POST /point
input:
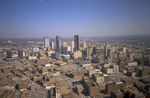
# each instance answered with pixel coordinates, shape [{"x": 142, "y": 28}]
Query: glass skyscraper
[
  {"x": 58, "y": 44},
  {"x": 76, "y": 42},
  {"x": 46, "y": 42}
]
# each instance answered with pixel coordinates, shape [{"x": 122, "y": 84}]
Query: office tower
[
  {"x": 76, "y": 42},
  {"x": 84, "y": 44},
  {"x": 58, "y": 44},
  {"x": 65, "y": 48},
  {"x": 89, "y": 51},
  {"x": 124, "y": 49},
  {"x": 105, "y": 51},
  {"x": 72, "y": 46},
  {"x": 20, "y": 54},
  {"x": 69, "y": 48},
  {"x": 9, "y": 54},
  {"x": 52, "y": 45},
  {"x": 113, "y": 49},
  {"x": 46, "y": 42},
  {"x": 109, "y": 52}
]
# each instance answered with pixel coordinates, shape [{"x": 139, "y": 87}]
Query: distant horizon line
[{"x": 107, "y": 36}]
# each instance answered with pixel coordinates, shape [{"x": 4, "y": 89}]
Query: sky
[{"x": 39, "y": 18}]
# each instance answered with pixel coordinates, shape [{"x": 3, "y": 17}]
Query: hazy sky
[{"x": 38, "y": 18}]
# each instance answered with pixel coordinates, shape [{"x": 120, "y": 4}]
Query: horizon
[{"x": 141, "y": 36}]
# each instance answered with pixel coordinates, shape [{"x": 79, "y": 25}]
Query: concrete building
[
  {"x": 116, "y": 68},
  {"x": 134, "y": 63},
  {"x": 52, "y": 45},
  {"x": 92, "y": 88},
  {"x": 58, "y": 44},
  {"x": 107, "y": 50},
  {"x": 91, "y": 72},
  {"x": 77, "y": 54},
  {"x": 124, "y": 49},
  {"x": 72, "y": 46},
  {"x": 65, "y": 48},
  {"x": 63, "y": 90},
  {"x": 98, "y": 78},
  {"x": 89, "y": 51},
  {"x": 113, "y": 87},
  {"x": 84, "y": 44}
]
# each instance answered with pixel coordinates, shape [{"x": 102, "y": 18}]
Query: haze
[{"x": 38, "y": 18}]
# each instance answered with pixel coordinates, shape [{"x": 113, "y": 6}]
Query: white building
[
  {"x": 132, "y": 63},
  {"x": 47, "y": 65},
  {"x": 116, "y": 68},
  {"x": 77, "y": 54}
]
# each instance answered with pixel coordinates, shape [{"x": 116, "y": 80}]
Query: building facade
[
  {"x": 76, "y": 42},
  {"x": 46, "y": 42}
]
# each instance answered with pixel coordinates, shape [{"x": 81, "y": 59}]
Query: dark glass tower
[
  {"x": 20, "y": 54},
  {"x": 76, "y": 42},
  {"x": 9, "y": 54},
  {"x": 58, "y": 44}
]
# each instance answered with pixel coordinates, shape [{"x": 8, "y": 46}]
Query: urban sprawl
[{"x": 76, "y": 68}]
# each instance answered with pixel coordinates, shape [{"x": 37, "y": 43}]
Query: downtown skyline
[{"x": 38, "y": 18}]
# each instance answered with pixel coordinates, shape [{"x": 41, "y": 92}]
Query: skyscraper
[
  {"x": 20, "y": 54},
  {"x": 124, "y": 49},
  {"x": 52, "y": 45},
  {"x": 9, "y": 54},
  {"x": 46, "y": 42},
  {"x": 89, "y": 51},
  {"x": 65, "y": 48},
  {"x": 84, "y": 44},
  {"x": 58, "y": 44},
  {"x": 76, "y": 42},
  {"x": 72, "y": 46},
  {"x": 107, "y": 50}
]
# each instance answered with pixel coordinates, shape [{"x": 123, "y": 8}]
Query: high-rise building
[
  {"x": 89, "y": 51},
  {"x": 20, "y": 54},
  {"x": 84, "y": 44},
  {"x": 52, "y": 45},
  {"x": 58, "y": 44},
  {"x": 69, "y": 48},
  {"x": 107, "y": 50},
  {"x": 124, "y": 49},
  {"x": 9, "y": 54},
  {"x": 65, "y": 48},
  {"x": 46, "y": 42},
  {"x": 76, "y": 42},
  {"x": 113, "y": 49},
  {"x": 72, "y": 46}
]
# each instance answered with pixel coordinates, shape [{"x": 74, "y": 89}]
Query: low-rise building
[
  {"x": 98, "y": 78},
  {"x": 113, "y": 87}
]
